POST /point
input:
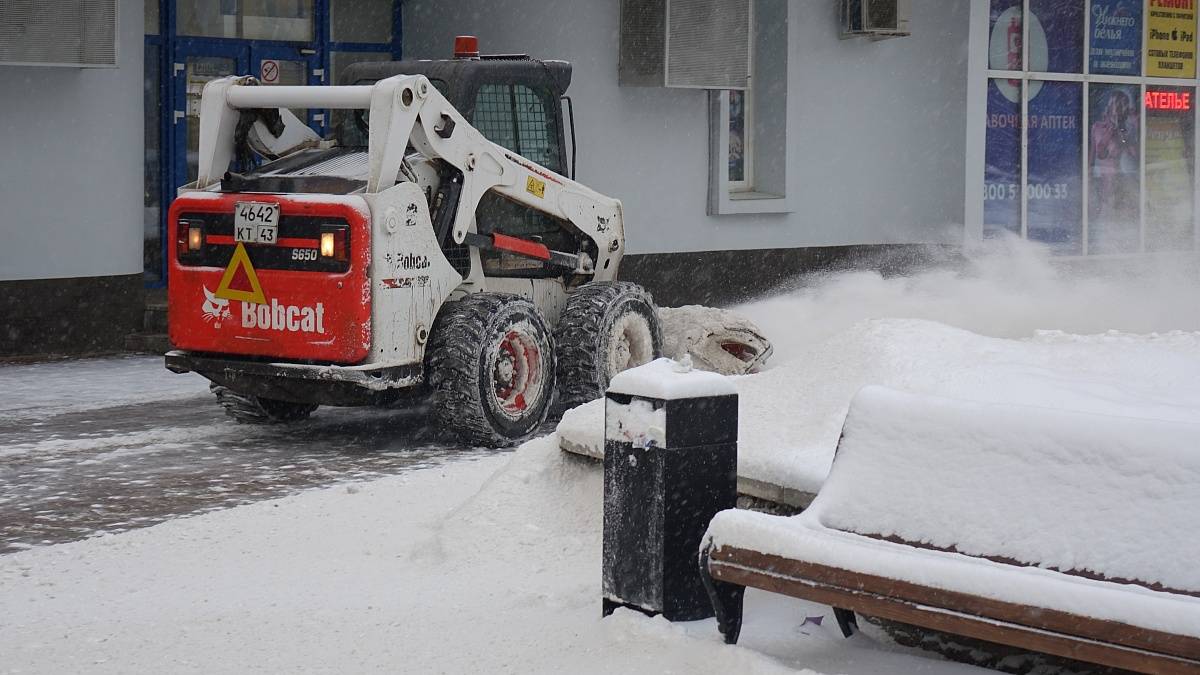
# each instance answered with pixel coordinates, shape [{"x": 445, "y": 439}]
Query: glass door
[
  {"x": 289, "y": 65},
  {"x": 195, "y": 64}
]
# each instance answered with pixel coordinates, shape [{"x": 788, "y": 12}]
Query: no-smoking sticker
[{"x": 269, "y": 72}]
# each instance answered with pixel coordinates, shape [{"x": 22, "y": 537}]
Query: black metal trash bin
[{"x": 670, "y": 464}]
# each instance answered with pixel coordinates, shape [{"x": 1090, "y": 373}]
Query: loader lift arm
[{"x": 408, "y": 109}]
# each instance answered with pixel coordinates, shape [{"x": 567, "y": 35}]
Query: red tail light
[
  {"x": 189, "y": 237},
  {"x": 334, "y": 242}
]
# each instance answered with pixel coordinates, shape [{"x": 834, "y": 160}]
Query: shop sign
[
  {"x": 1171, "y": 38},
  {"x": 1116, "y": 37}
]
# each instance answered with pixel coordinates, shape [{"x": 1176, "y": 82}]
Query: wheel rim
[
  {"x": 517, "y": 373},
  {"x": 631, "y": 343}
]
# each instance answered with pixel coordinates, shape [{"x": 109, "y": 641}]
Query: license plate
[{"x": 256, "y": 222}]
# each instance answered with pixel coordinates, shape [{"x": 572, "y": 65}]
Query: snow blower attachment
[
  {"x": 1060, "y": 532},
  {"x": 408, "y": 255},
  {"x": 718, "y": 340}
]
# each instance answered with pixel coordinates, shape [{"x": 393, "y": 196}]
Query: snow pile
[
  {"x": 490, "y": 565},
  {"x": 667, "y": 380},
  {"x": 637, "y": 423},
  {"x": 1056, "y": 490},
  {"x": 1009, "y": 289},
  {"x": 1011, "y": 325},
  {"x": 1073, "y": 491},
  {"x": 791, "y": 415}
]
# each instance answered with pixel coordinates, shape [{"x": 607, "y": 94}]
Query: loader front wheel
[
  {"x": 606, "y": 327},
  {"x": 248, "y": 409},
  {"x": 490, "y": 365}
]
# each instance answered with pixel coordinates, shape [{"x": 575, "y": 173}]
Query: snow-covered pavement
[
  {"x": 112, "y": 444},
  {"x": 360, "y": 542},
  {"x": 410, "y": 555},
  {"x": 489, "y": 565}
]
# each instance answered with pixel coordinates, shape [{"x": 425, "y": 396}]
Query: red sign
[
  {"x": 268, "y": 72},
  {"x": 1168, "y": 100}
]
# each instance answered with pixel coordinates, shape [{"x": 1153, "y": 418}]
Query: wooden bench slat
[{"x": 1085, "y": 638}]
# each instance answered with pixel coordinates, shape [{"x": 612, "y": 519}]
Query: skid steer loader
[{"x": 432, "y": 248}]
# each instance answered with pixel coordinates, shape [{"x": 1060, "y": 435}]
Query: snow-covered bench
[{"x": 1060, "y": 532}]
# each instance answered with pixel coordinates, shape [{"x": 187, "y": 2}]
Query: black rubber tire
[
  {"x": 584, "y": 337},
  {"x": 462, "y": 361},
  {"x": 248, "y": 409}
]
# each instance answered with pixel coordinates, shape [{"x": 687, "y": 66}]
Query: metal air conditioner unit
[
  {"x": 877, "y": 19},
  {"x": 698, "y": 44}
]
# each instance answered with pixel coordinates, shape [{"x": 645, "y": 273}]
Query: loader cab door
[{"x": 524, "y": 118}]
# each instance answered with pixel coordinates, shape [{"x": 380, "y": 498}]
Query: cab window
[{"x": 522, "y": 119}]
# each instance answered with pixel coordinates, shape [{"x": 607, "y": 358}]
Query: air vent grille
[
  {"x": 58, "y": 32},
  {"x": 685, "y": 43}
]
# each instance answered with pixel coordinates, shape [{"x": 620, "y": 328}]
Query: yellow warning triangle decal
[{"x": 241, "y": 260}]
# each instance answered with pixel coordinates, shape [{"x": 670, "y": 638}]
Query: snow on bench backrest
[{"x": 1114, "y": 496}]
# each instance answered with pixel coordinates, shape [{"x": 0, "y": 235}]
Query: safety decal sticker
[
  {"x": 535, "y": 187},
  {"x": 421, "y": 281},
  {"x": 215, "y": 310},
  {"x": 240, "y": 281}
]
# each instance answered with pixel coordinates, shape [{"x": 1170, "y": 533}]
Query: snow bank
[
  {"x": 1073, "y": 491},
  {"x": 1010, "y": 288},
  {"x": 1051, "y": 489},
  {"x": 791, "y": 414}
]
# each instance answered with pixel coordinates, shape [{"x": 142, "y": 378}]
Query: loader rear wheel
[
  {"x": 606, "y": 327},
  {"x": 249, "y": 409},
  {"x": 490, "y": 365}
]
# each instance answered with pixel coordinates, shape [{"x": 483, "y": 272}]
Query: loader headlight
[
  {"x": 195, "y": 238},
  {"x": 326, "y": 244}
]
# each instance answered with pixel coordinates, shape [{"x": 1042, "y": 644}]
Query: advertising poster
[
  {"x": 1170, "y": 168},
  {"x": 1116, "y": 37},
  {"x": 1002, "y": 162},
  {"x": 1055, "y": 36},
  {"x": 1171, "y": 38},
  {"x": 1004, "y": 47},
  {"x": 1056, "y": 30},
  {"x": 1055, "y": 204},
  {"x": 1114, "y": 149}
]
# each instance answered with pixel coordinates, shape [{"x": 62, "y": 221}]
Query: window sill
[
  {"x": 748, "y": 201},
  {"x": 740, "y": 195}
]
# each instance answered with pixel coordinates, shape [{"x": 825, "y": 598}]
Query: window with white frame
[
  {"x": 1090, "y": 125},
  {"x": 741, "y": 141},
  {"x": 748, "y": 129}
]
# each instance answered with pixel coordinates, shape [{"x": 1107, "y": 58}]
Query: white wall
[
  {"x": 876, "y": 130},
  {"x": 71, "y": 165}
]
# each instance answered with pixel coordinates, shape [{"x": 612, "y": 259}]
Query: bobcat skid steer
[{"x": 432, "y": 249}]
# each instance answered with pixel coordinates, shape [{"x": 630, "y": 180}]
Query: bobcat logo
[{"x": 215, "y": 309}]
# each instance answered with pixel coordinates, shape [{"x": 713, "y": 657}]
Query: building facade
[{"x": 1067, "y": 122}]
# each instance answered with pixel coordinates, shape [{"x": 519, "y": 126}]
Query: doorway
[{"x": 199, "y": 61}]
